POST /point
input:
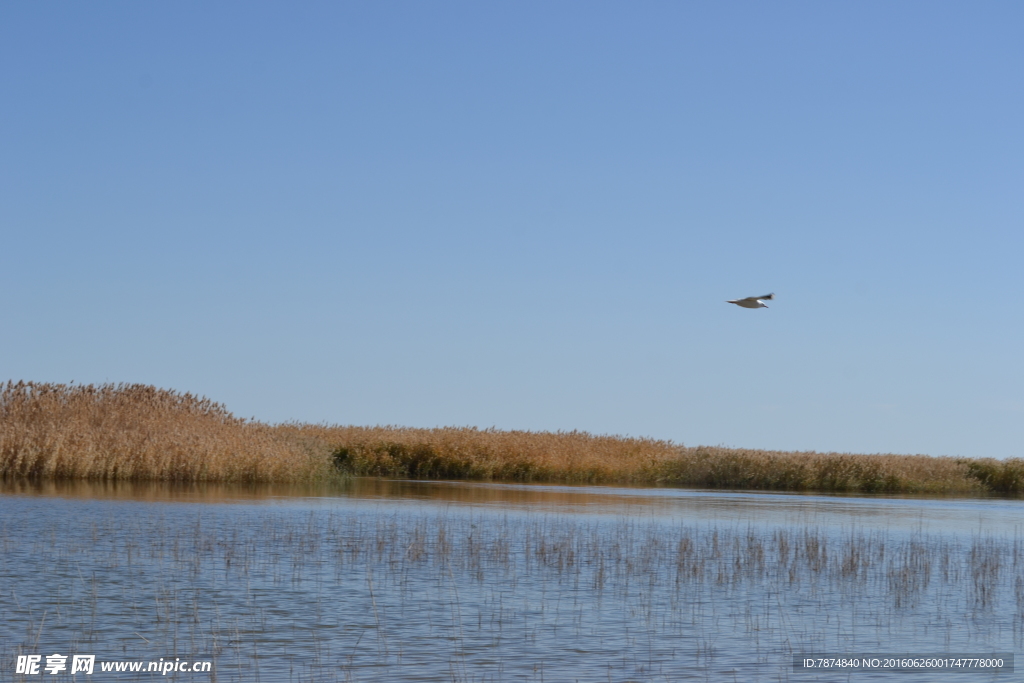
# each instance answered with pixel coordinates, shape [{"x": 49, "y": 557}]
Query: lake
[{"x": 452, "y": 581}]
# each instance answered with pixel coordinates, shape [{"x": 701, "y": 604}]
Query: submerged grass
[
  {"x": 454, "y": 595},
  {"x": 137, "y": 432}
]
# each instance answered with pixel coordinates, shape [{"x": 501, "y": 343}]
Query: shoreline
[{"x": 122, "y": 432}]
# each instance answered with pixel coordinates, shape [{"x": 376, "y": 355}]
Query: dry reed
[
  {"x": 577, "y": 457},
  {"x": 136, "y": 432}
]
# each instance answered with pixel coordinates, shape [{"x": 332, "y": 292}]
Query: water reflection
[
  {"x": 897, "y": 513},
  {"x": 442, "y": 581}
]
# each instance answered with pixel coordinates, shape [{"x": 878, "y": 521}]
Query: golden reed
[{"x": 137, "y": 432}]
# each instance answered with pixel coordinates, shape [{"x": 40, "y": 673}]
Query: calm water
[{"x": 388, "y": 581}]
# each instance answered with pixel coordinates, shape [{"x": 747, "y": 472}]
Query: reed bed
[
  {"x": 136, "y": 432},
  {"x": 581, "y": 458}
]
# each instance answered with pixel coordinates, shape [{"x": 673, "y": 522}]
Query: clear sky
[{"x": 528, "y": 215}]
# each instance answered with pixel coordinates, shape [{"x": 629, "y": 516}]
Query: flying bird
[{"x": 753, "y": 301}]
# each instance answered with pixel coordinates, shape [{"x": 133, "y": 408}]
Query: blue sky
[{"x": 528, "y": 215}]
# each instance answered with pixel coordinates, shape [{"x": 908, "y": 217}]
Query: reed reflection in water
[
  {"x": 377, "y": 590},
  {"x": 891, "y": 512}
]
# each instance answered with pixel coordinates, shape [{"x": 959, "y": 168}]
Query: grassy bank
[
  {"x": 135, "y": 432},
  {"x": 574, "y": 457}
]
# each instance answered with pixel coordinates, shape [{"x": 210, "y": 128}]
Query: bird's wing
[{"x": 764, "y": 298}]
